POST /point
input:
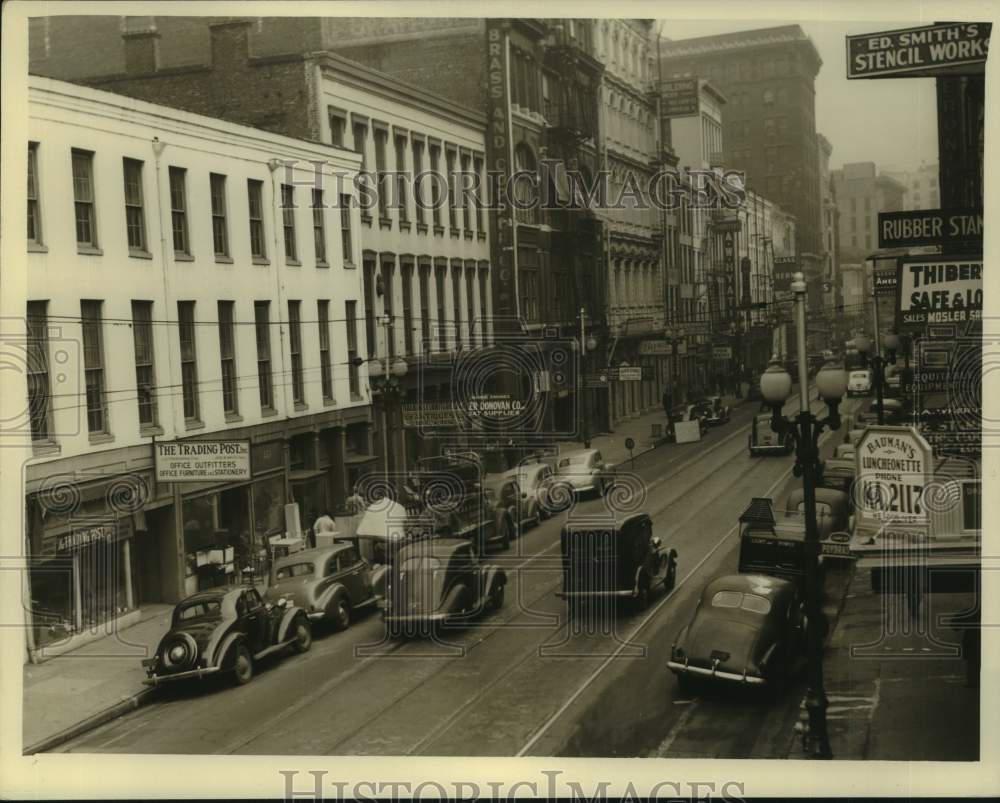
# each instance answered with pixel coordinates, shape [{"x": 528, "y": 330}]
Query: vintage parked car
[
  {"x": 746, "y": 629},
  {"x": 503, "y": 493},
  {"x": 859, "y": 382},
  {"x": 581, "y": 471},
  {"x": 765, "y": 440},
  {"x": 621, "y": 560},
  {"x": 536, "y": 481},
  {"x": 225, "y": 630},
  {"x": 715, "y": 411},
  {"x": 693, "y": 412},
  {"x": 328, "y": 583},
  {"x": 440, "y": 580},
  {"x": 835, "y": 505}
]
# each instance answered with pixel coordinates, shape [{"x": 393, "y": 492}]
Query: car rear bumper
[
  {"x": 157, "y": 680},
  {"x": 686, "y": 669},
  {"x": 314, "y": 616},
  {"x": 768, "y": 447},
  {"x": 415, "y": 618}
]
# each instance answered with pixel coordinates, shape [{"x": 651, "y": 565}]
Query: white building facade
[{"x": 188, "y": 280}]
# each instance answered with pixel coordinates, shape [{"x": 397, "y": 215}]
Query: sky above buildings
[{"x": 889, "y": 121}]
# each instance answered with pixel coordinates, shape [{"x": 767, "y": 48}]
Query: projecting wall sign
[{"x": 929, "y": 50}]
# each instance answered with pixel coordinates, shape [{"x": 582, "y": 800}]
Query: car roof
[
  {"x": 577, "y": 452},
  {"x": 212, "y": 594},
  {"x": 438, "y": 547},
  {"x": 313, "y": 555},
  {"x": 763, "y": 585},
  {"x": 618, "y": 523}
]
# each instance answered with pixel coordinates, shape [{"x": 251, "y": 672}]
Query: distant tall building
[
  {"x": 922, "y": 190},
  {"x": 768, "y": 76},
  {"x": 861, "y": 194},
  {"x": 830, "y": 224}
]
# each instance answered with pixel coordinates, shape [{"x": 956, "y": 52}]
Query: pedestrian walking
[{"x": 325, "y": 526}]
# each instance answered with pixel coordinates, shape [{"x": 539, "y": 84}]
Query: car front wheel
[
  {"x": 303, "y": 636},
  {"x": 342, "y": 614},
  {"x": 242, "y": 665},
  {"x": 496, "y": 597}
]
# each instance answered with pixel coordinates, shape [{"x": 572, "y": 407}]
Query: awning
[
  {"x": 351, "y": 458},
  {"x": 301, "y": 475}
]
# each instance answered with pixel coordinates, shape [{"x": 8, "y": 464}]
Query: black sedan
[
  {"x": 225, "y": 630},
  {"x": 747, "y": 629},
  {"x": 440, "y": 580}
]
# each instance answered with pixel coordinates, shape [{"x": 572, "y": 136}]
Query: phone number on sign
[{"x": 881, "y": 496}]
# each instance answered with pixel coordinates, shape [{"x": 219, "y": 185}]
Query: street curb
[{"x": 123, "y": 706}]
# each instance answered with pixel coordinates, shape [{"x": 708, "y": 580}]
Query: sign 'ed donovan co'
[
  {"x": 939, "y": 289},
  {"x": 202, "y": 461}
]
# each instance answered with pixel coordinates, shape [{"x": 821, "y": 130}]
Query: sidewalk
[
  {"x": 896, "y": 693},
  {"x": 640, "y": 429},
  {"x": 77, "y": 691}
]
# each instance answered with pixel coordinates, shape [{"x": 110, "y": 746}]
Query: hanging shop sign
[
  {"x": 202, "y": 461},
  {"x": 892, "y": 466},
  {"x": 722, "y": 352},
  {"x": 655, "y": 348},
  {"x": 783, "y": 272},
  {"x": 920, "y": 227},
  {"x": 679, "y": 98},
  {"x": 938, "y": 290},
  {"x": 630, "y": 373},
  {"x": 884, "y": 282},
  {"x": 429, "y": 415},
  {"x": 942, "y": 48}
]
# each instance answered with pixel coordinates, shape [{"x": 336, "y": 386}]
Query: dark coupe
[
  {"x": 225, "y": 630},
  {"x": 439, "y": 580},
  {"x": 747, "y": 629}
]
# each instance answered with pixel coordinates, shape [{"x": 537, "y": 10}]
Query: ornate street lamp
[
  {"x": 890, "y": 342},
  {"x": 586, "y": 345},
  {"x": 384, "y": 378},
  {"x": 776, "y": 387}
]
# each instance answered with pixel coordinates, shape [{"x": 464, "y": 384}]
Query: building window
[
  {"x": 220, "y": 233},
  {"x": 425, "y": 308},
  {"x": 288, "y": 221},
  {"x": 382, "y": 178},
  {"x": 83, "y": 198},
  {"x": 484, "y": 290},
  {"x": 435, "y": 156},
  {"x": 478, "y": 168},
  {"x": 227, "y": 353},
  {"x": 325, "y": 366},
  {"x": 470, "y": 302},
  {"x": 401, "y": 179},
  {"x": 768, "y": 95},
  {"x": 389, "y": 307},
  {"x": 135, "y": 221},
  {"x": 34, "y": 213},
  {"x": 178, "y": 211},
  {"x": 262, "y": 325},
  {"x": 93, "y": 364},
  {"x": 452, "y": 194},
  {"x": 255, "y": 202},
  {"x": 360, "y": 131},
  {"x": 351, "y": 322},
  {"x": 338, "y": 122},
  {"x": 456, "y": 298},
  {"x": 466, "y": 210},
  {"x": 526, "y": 186},
  {"x": 407, "y": 279},
  {"x": 39, "y": 393},
  {"x": 145, "y": 378},
  {"x": 189, "y": 359},
  {"x": 295, "y": 347},
  {"x": 439, "y": 282},
  {"x": 319, "y": 227},
  {"x": 368, "y": 277},
  {"x": 345, "y": 231},
  {"x": 418, "y": 168}
]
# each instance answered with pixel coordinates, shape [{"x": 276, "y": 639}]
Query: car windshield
[
  {"x": 576, "y": 460},
  {"x": 197, "y": 610},
  {"x": 859, "y": 374},
  {"x": 294, "y": 570},
  {"x": 737, "y": 599}
]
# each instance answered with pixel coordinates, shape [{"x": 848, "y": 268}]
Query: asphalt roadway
[{"x": 524, "y": 681}]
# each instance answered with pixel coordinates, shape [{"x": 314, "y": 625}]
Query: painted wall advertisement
[
  {"x": 939, "y": 290},
  {"x": 498, "y": 161}
]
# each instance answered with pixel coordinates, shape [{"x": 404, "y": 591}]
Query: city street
[{"x": 517, "y": 683}]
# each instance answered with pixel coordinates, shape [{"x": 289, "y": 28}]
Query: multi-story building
[
  {"x": 634, "y": 267},
  {"x": 861, "y": 193},
  {"x": 921, "y": 186},
  {"x": 188, "y": 280},
  {"x": 768, "y": 76},
  {"x": 830, "y": 222},
  {"x": 425, "y": 267}
]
